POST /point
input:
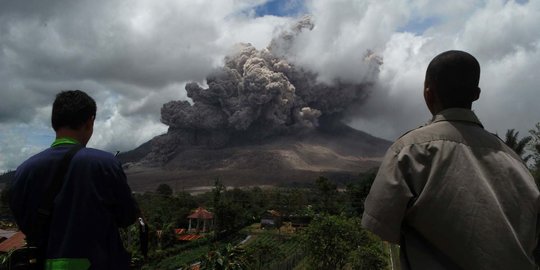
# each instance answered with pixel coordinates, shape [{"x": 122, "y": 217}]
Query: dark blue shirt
[{"x": 92, "y": 204}]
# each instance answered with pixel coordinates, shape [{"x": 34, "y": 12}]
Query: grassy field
[
  {"x": 270, "y": 249},
  {"x": 264, "y": 249}
]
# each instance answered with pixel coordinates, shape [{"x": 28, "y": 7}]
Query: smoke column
[{"x": 258, "y": 94}]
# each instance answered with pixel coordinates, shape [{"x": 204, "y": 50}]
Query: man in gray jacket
[{"x": 453, "y": 195}]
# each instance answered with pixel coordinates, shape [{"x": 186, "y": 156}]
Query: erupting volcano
[{"x": 261, "y": 118}]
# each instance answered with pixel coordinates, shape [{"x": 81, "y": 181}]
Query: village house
[{"x": 271, "y": 219}]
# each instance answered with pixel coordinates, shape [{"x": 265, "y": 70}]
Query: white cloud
[
  {"x": 344, "y": 31},
  {"x": 500, "y": 28},
  {"x": 396, "y": 104},
  {"x": 119, "y": 133},
  {"x": 15, "y": 145},
  {"x": 132, "y": 56},
  {"x": 503, "y": 35},
  {"x": 510, "y": 92}
]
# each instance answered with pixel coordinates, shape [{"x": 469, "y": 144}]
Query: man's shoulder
[
  {"x": 452, "y": 133},
  {"x": 417, "y": 135},
  {"x": 96, "y": 153},
  {"x": 89, "y": 162},
  {"x": 42, "y": 157},
  {"x": 95, "y": 156}
]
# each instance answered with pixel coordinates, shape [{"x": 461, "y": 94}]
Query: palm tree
[
  {"x": 535, "y": 149},
  {"x": 518, "y": 145}
]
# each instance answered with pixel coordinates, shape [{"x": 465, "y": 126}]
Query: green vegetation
[
  {"x": 534, "y": 147},
  {"x": 528, "y": 148},
  {"x": 518, "y": 145},
  {"x": 164, "y": 190},
  {"x": 338, "y": 242},
  {"x": 269, "y": 249},
  {"x": 228, "y": 258},
  {"x": 334, "y": 208},
  {"x": 7, "y": 177}
]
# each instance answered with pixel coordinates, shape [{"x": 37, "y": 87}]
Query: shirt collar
[
  {"x": 457, "y": 114},
  {"x": 64, "y": 140}
]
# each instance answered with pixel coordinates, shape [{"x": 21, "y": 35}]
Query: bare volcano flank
[{"x": 339, "y": 153}]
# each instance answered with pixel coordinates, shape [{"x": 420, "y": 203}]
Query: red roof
[
  {"x": 190, "y": 237},
  {"x": 273, "y": 213},
  {"x": 179, "y": 231},
  {"x": 201, "y": 213},
  {"x": 14, "y": 242}
]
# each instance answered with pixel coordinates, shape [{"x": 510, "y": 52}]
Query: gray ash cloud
[{"x": 258, "y": 94}]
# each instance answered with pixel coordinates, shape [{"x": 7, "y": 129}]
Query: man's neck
[
  {"x": 441, "y": 108},
  {"x": 69, "y": 133}
]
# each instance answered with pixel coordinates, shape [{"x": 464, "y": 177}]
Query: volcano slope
[{"x": 338, "y": 152}]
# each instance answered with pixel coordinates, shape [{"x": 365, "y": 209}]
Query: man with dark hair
[
  {"x": 455, "y": 77},
  {"x": 92, "y": 203},
  {"x": 453, "y": 195},
  {"x": 72, "y": 109}
]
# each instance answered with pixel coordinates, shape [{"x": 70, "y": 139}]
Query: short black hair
[
  {"x": 71, "y": 109},
  {"x": 454, "y": 75}
]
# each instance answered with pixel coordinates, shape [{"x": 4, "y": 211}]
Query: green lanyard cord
[{"x": 65, "y": 140}]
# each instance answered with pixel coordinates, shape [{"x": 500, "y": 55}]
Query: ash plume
[{"x": 258, "y": 94}]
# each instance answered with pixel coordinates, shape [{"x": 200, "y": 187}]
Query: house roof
[
  {"x": 14, "y": 242},
  {"x": 201, "y": 213},
  {"x": 6, "y": 233},
  {"x": 189, "y": 237},
  {"x": 273, "y": 213}
]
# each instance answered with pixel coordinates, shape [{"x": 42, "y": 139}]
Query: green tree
[
  {"x": 327, "y": 191},
  {"x": 333, "y": 242},
  {"x": 4, "y": 199},
  {"x": 297, "y": 201},
  {"x": 329, "y": 240},
  {"x": 226, "y": 215},
  {"x": 164, "y": 189},
  {"x": 218, "y": 207},
  {"x": 7, "y": 178},
  {"x": 518, "y": 145},
  {"x": 368, "y": 257},
  {"x": 535, "y": 149},
  {"x": 358, "y": 191}
]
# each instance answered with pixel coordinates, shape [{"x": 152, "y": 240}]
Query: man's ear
[
  {"x": 428, "y": 95},
  {"x": 477, "y": 94},
  {"x": 429, "y": 98},
  {"x": 89, "y": 124}
]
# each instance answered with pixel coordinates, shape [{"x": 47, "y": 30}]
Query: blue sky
[
  {"x": 297, "y": 8},
  {"x": 281, "y": 8},
  {"x": 418, "y": 26}
]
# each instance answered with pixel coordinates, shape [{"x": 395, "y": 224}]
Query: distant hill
[
  {"x": 136, "y": 154},
  {"x": 339, "y": 152}
]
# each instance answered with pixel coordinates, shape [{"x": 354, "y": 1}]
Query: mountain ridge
[{"x": 336, "y": 151}]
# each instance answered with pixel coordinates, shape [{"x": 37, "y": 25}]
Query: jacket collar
[{"x": 457, "y": 114}]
